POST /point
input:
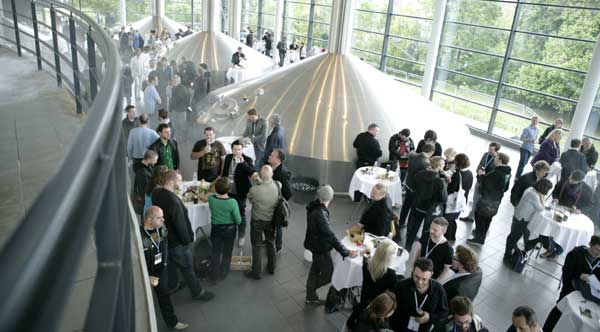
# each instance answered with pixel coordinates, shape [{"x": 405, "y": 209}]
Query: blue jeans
[
  {"x": 180, "y": 257},
  {"x": 278, "y": 238},
  {"x": 525, "y": 154}
]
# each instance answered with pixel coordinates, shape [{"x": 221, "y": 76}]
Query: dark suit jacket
[
  {"x": 260, "y": 133},
  {"x": 377, "y": 217},
  {"x": 176, "y": 217},
  {"x": 160, "y": 149},
  {"x": 467, "y": 285},
  {"x": 583, "y": 202},
  {"x": 275, "y": 140},
  {"x": 571, "y": 160},
  {"x": 283, "y": 175},
  {"x": 242, "y": 174}
]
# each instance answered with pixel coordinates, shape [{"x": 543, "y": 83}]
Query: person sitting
[
  {"x": 374, "y": 317},
  {"x": 540, "y": 170},
  {"x": 524, "y": 319},
  {"x": 463, "y": 319},
  {"x": 580, "y": 264},
  {"x": 421, "y": 300},
  {"x": 430, "y": 138},
  {"x": 531, "y": 203},
  {"x": 378, "y": 276},
  {"x": 433, "y": 245},
  {"x": 431, "y": 194},
  {"x": 237, "y": 57},
  {"x": 467, "y": 277},
  {"x": 572, "y": 159},
  {"x": 550, "y": 148},
  {"x": 377, "y": 217}
]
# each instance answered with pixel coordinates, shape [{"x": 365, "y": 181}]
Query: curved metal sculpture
[{"x": 324, "y": 102}]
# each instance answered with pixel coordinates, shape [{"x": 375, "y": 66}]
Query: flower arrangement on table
[{"x": 198, "y": 193}]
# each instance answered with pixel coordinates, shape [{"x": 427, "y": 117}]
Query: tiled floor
[
  {"x": 38, "y": 125},
  {"x": 276, "y": 303}
]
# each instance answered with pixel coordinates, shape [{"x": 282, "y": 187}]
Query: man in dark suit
[
  {"x": 367, "y": 147},
  {"x": 572, "y": 159},
  {"x": 237, "y": 57},
  {"x": 180, "y": 235},
  {"x": 275, "y": 140},
  {"x": 283, "y": 176},
  {"x": 256, "y": 132},
  {"x": 377, "y": 217},
  {"x": 239, "y": 168},
  {"x": 468, "y": 276}
]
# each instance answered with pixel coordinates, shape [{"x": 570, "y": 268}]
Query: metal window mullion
[
  {"x": 36, "y": 38},
  {"x": 260, "y": 18},
  {"x": 16, "y": 24},
  {"x": 386, "y": 36},
  {"x": 55, "y": 46},
  {"x": 509, "y": 47},
  {"x": 311, "y": 22},
  {"x": 437, "y": 60},
  {"x": 75, "y": 64},
  {"x": 283, "y": 16}
]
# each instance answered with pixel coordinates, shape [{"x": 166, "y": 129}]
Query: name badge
[
  {"x": 158, "y": 258},
  {"x": 413, "y": 326}
]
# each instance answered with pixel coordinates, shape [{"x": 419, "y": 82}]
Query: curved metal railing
[{"x": 88, "y": 193}]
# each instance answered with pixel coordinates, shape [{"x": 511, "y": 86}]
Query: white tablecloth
[
  {"x": 199, "y": 213},
  {"x": 572, "y": 320},
  {"x": 348, "y": 272},
  {"x": 227, "y": 140},
  {"x": 365, "y": 183},
  {"x": 591, "y": 178},
  {"x": 576, "y": 231},
  {"x": 292, "y": 56},
  {"x": 236, "y": 74}
]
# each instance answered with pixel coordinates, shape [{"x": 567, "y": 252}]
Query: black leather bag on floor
[{"x": 518, "y": 260}]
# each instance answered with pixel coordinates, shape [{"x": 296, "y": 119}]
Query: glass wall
[
  {"x": 392, "y": 35},
  {"x": 106, "y": 13},
  {"x": 308, "y": 21},
  {"x": 225, "y": 17},
  {"x": 186, "y": 12},
  {"x": 501, "y": 62},
  {"x": 250, "y": 16},
  {"x": 136, "y": 9}
]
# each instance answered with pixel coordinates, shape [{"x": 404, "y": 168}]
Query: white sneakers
[
  {"x": 241, "y": 242},
  {"x": 180, "y": 326}
]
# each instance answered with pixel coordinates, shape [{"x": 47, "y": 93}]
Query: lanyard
[
  {"x": 427, "y": 251},
  {"x": 488, "y": 160},
  {"x": 417, "y": 303},
  {"x": 592, "y": 268},
  {"x": 156, "y": 244}
]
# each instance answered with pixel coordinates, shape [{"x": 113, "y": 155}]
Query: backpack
[
  {"x": 518, "y": 260},
  {"x": 281, "y": 215}
]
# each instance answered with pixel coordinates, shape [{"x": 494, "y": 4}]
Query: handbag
[
  {"x": 281, "y": 215},
  {"x": 518, "y": 260},
  {"x": 487, "y": 207},
  {"x": 456, "y": 202}
]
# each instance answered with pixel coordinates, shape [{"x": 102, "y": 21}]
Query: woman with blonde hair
[
  {"x": 377, "y": 273},
  {"x": 550, "y": 149}
]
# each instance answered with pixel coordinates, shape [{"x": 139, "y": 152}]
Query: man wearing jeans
[
  {"x": 528, "y": 136},
  {"x": 264, "y": 198},
  {"x": 320, "y": 239},
  {"x": 180, "y": 234}
]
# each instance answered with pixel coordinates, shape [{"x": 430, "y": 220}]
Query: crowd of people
[
  {"x": 444, "y": 280},
  {"x": 295, "y": 51}
]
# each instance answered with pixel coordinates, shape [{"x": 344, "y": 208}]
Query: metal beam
[{"x": 433, "y": 49}]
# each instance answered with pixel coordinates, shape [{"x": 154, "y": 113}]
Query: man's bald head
[
  {"x": 154, "y": 217},
  {"x": 266, "y": 173}
]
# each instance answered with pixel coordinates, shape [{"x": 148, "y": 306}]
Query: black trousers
[
  {"x": 242, "y": 206},
  {"x": 518, "y": 229},
  {"x": 222, "y": 238},
  {"x": 320, "y": 274},
  {"x": 164, "y": 300},
  {"x": 409, "y": 200},
  {"x": 451, "y": 232},
  {"x": 414, "y": 223},
  {"x": 262, "y": 234},
  {"x": 482, "y": 224}
]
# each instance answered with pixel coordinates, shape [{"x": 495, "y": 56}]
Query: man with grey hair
[
  {"x": 320, "y": 239},
  {"x": 264, "y": 199},
  {"x": 276, "y": 138},
  {"x": 377, "y": 217},
  {"x": 256, "y": 132},
  {"x": 179, "y": 102}
]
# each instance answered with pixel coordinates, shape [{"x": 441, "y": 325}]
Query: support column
[
  {"x": 588, "y": 95},
  {"x": 434, "y": 47},
  {"x": 158, "y": 11},
  {"x": 211, "y": 15},
  {"x": 342, "y": 21},
  {"x": 277, "y": 34},
  {"x": 235, "y": 18},
  {"x": 123, "y": 12}
]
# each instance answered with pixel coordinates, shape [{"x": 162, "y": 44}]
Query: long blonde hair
[{"x": 382, "y": 259}]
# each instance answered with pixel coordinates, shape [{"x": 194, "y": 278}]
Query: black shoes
[
  {"x": 466, "y": 219},
  {"x": 204, "y": 296},
  {"x": 252, "y": 275},
  {"x": 476, "y": 241}
]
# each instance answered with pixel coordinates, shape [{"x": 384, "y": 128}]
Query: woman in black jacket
[
  {"x": 492, "y": 186},
  {"x": 377, "y": 274},
  {"x": 374, "y": 317},
  {"x": 465, "y": 177}
]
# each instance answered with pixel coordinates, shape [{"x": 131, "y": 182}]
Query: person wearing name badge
[
  {"x": 581, "y": 263},
  {"x": 433, "y": 245},
  {"x": 421, "y": 300}
]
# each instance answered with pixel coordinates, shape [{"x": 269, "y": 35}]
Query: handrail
[{"x": 87, "y": 195}]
